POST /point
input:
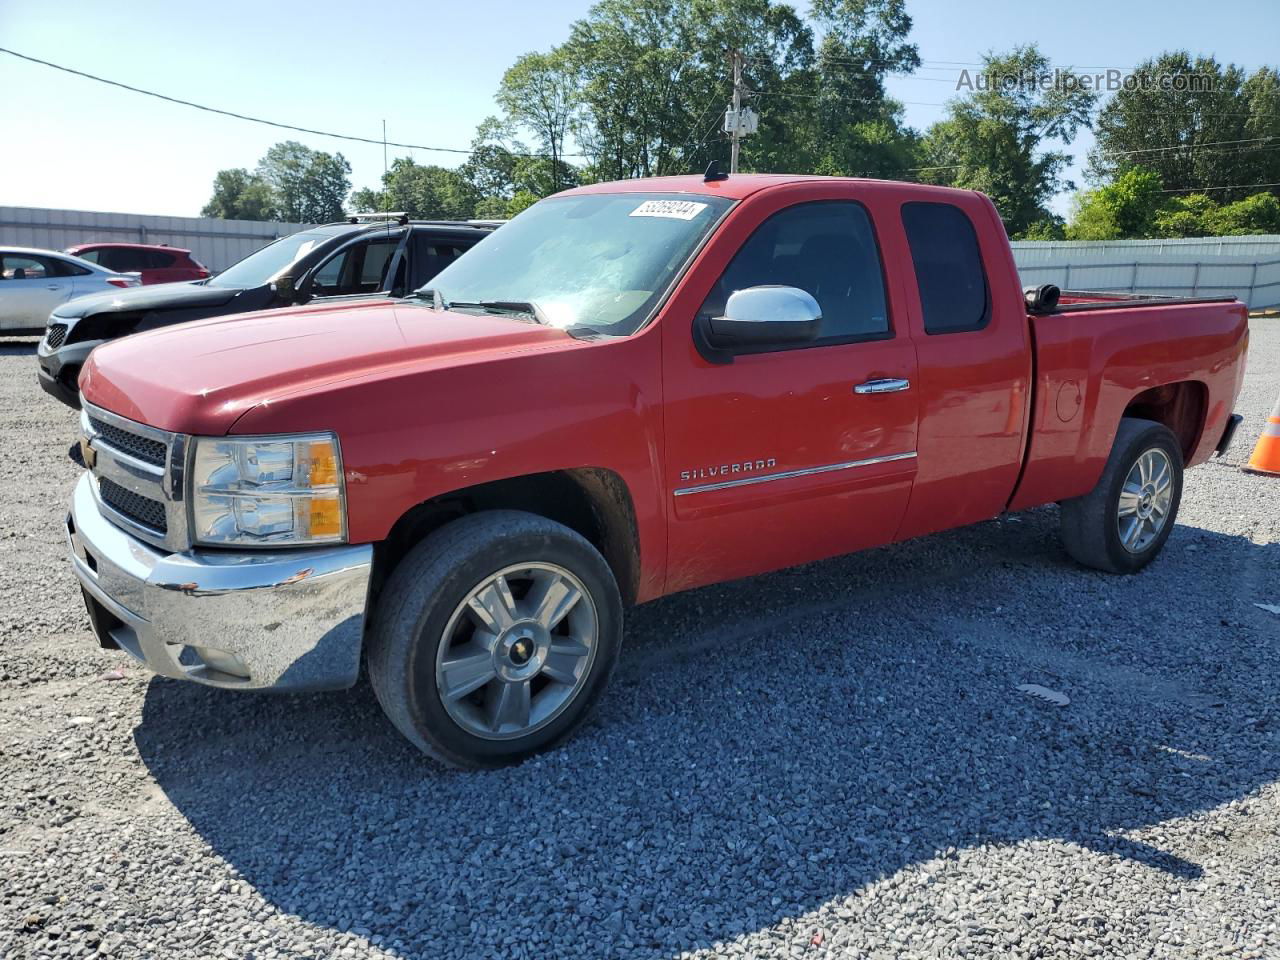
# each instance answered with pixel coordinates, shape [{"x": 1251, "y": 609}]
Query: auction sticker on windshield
[{"x": 671, "y": 209}]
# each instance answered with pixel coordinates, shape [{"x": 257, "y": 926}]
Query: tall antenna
[
  {"x": 384, "y": 151},
  {"x": 737, "y": 109}
]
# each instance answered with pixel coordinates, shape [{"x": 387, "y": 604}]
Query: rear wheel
[
  {"x": 1122, "y": 524},
  {"x": 494, "y": 637}
]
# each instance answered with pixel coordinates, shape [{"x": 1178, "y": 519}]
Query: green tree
[
  {"x": 367, "y": 200},
  {"x": 1196, "y": 122},
  {"x": 490, "y": 169},
  {"x": 240, "y": 195},
  {"x": 995, "y": 138},
  {"x": 1258, "y": 214},
  {"x": 1185, "y": 216},
  {"x": 854, "y": 128},
  {"x": 424, "y": 192},
  {"x": 1198, "y": 215},
  {"x": 653, "y": 80},
  {"x": 1122, "y": 209},
  {"x": 1050, "y": 228},
  {"x": 309, "y": 186},
  {"x": 540, "y": 91}
]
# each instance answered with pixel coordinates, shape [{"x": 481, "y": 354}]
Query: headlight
[{"x": 267, "y": 491}]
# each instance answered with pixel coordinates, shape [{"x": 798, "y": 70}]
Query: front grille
[
  {"x": 143, "y": 448},
  {"x": 57, "y": 333},
  {"x": 140, "y": 509}
]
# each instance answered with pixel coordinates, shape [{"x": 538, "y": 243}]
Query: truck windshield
[
  {"x": 266, "y": 264},
  {"x": 600, "y": 261}
]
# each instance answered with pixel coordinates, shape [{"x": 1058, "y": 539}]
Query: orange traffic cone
[{"x": 1266, "y": 455}]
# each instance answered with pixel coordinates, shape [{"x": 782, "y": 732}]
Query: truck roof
[{"x": 738, "y": 186}]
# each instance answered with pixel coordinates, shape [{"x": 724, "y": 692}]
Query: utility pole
[{"x": 736, "y": 58}]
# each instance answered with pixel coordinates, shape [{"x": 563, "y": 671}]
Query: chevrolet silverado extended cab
[{"x": 631, "y": 389}]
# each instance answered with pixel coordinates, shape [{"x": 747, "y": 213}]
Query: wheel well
[
  {"x": 591, "y": 501},
  {"x": 1179, "y": 406}
]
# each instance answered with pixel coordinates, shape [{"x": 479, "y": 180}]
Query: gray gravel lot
[{"x": 827, "y": 762}]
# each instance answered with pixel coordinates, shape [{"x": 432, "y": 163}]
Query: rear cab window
[{"x": 954, "y": 294}]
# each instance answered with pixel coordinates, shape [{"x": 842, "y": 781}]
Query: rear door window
[
  {"x": 431, "y": 254},
  {"x": 948, "y": 267}
]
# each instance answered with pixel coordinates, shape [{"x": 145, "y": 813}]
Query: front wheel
[
  {"x": 1122, "y": 523},
  {"x": 494, "y": 637}
]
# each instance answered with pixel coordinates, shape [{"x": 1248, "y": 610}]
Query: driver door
[{"x": 778, "y": 457}]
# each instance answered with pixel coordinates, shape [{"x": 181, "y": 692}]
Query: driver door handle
[{"x": 883, "y": 386}]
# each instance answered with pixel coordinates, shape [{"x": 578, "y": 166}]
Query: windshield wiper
[
  {"x": 426, "y": 293},
  {"x": 579, "y": 331},
  {"x": 526, "y": 307}
]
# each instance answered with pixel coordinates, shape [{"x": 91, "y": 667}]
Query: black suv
[{"x": 357, "y": 258}]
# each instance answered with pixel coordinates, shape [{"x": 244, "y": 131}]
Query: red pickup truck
[{"x": 631, "y": 389}]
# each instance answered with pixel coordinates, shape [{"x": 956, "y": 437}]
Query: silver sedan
[{"x": 33, "y": 282}]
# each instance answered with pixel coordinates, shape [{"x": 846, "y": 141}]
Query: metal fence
[
  {"x": 1247, "y": 268},
  {"x": 215, "y": 243}
]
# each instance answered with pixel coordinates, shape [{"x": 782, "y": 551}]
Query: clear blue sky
[{"x": 430, "y": 70}]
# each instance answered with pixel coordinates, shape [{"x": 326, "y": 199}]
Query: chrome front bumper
[{"x": 285, "y": 620}]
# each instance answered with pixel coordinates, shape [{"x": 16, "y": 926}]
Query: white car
[{"x": 33, "y": 282}]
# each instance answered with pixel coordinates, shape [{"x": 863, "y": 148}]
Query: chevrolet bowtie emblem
[{"x": 88, "y": 454}]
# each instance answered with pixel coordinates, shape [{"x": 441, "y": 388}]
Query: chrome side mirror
[{"x": 766, "y": 316}]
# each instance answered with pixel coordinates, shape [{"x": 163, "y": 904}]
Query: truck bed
[{"x": 1099, "y": 357}]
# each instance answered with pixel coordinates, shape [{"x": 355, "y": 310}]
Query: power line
[
  {"x": 1229, "y": 186},
  {"x": 1191, "y": 146},
  {"x": 823, "y": 96},
  {"x": 268, "y": 123},
  {"x": 1125, "y": 153}
]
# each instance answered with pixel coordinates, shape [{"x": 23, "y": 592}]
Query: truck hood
[
  {"x": 161, "y": 296},
  {"x": 201, "y": 377}
]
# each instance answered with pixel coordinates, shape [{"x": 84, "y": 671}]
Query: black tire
[
  {"x": 1089, "y": 524},
  {"x": 419, "y": 599}
]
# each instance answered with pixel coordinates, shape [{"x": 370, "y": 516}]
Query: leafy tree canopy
[
  {"x": 997, "y": 138},
  {"x": 240, "y": 195},
  {"x": 292, "y": 182},
  {"x": 1198, "y": 123}
]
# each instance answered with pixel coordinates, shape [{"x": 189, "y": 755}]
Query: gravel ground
[{"x": 827, "y": 762}]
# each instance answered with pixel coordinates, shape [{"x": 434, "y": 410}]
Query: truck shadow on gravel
[{"x": 768, "y": 747}]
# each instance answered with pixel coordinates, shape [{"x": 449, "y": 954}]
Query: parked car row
[
  {"x": 34, "y": 282},
  {"x": 631, "y": 389},
  {"x": 340, "y": 261},
  {"x": 153, "y": 263}
]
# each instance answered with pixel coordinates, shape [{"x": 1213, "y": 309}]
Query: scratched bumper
[{"x": 289, "y": 620}]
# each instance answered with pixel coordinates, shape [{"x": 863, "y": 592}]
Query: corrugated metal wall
[
  {"x": 1247, "y": 268},
  {"x": 215, "y": 243}
]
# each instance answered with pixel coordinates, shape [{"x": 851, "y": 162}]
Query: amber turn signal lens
[
  {"x": 324, "y": 464},
  {"x": 325, "y": 517}
]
